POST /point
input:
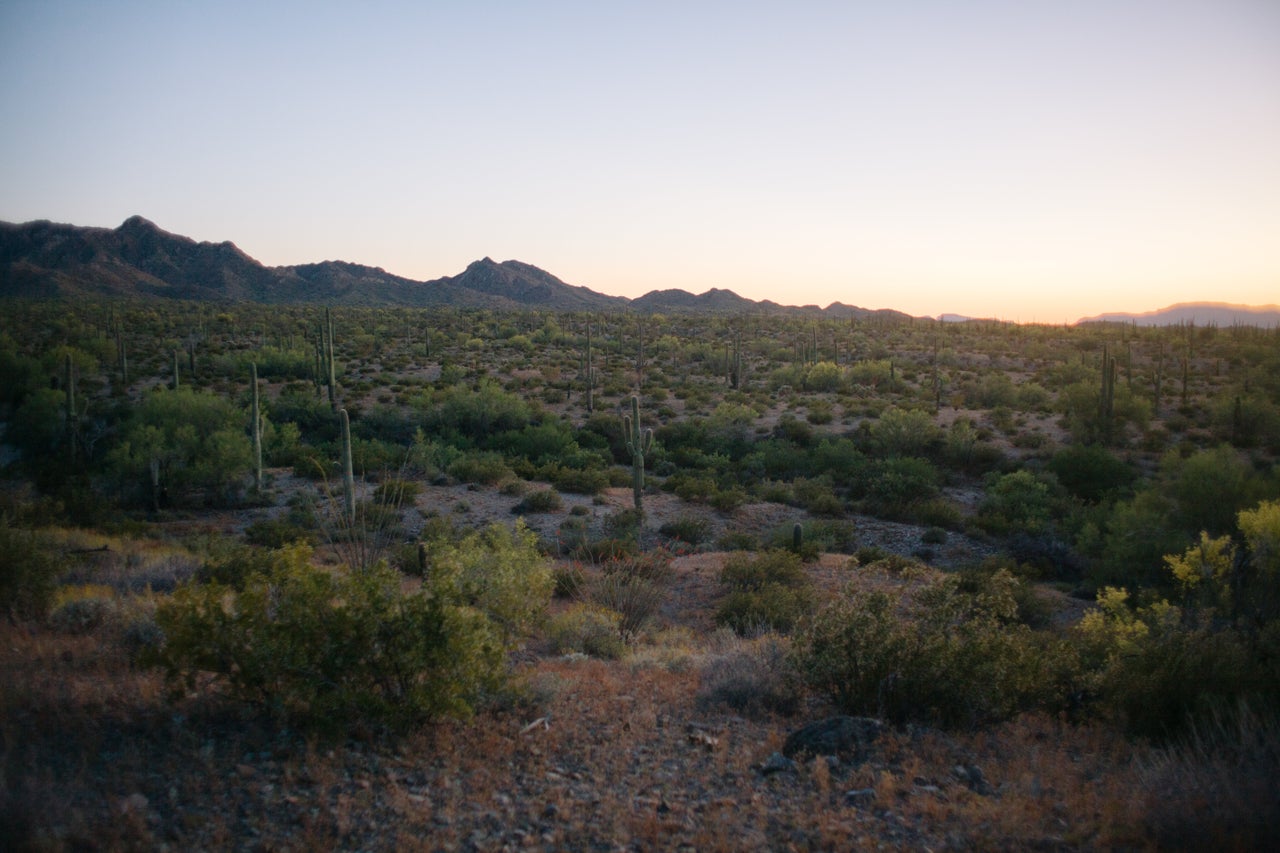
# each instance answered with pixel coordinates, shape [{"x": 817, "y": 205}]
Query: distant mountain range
[
  {"x": 1198, "y": 313},
  {"x": 138, "y": 259}
]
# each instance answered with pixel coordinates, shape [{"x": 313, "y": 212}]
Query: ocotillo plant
[
  {"x": 257, "y": 433},
  {"x": 639, "y": 441},
  {"x": 348, "y": 474}
]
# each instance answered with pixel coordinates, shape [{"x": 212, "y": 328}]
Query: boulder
[{"x": 848, "y": 738}]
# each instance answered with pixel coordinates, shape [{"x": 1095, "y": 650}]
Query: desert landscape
[{"x": 294, "y": 576}]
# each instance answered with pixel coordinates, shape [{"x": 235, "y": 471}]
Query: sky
[{"x": 1029, "y": 160}]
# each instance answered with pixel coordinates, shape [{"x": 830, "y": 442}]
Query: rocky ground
[
  {"x": 603, "y": 756},
  {"x": 647, "y": 753}
]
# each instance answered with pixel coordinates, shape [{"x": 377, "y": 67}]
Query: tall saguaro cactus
[
  {"x": 589, "y": 372},
  {"x": 1107, "y": 396},
  {"x": 122, "y": 359},
  {"x": 69, "y": 383},
  {"x": 348, "y": 473},
  {"x": 327, "y": 334},
  {"x": 639, "y": 441},
  {"x": 257, "y": 433}
]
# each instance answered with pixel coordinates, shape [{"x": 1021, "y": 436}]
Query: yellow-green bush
[{"x": 588, "y": 629}]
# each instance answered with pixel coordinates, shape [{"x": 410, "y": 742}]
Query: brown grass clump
[{"x": 1217, "y": 788}]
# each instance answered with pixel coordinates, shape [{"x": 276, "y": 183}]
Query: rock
[
  {"x": 848, "y": 738},
  {"x": 777, "y": 763},
  {"x": 860, "y": 797},
  {"x": 971, "y": 776},
  {"x": 704, "y": 740},
  {"x": 134, "y": 804}
]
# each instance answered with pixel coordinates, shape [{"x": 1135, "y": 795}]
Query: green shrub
[
  {"x": 485, "y": 468},
  {"x": 939, "y": 512},
  {"x": 817, "y": 496},
  {"x": 276, "y": 533},
  {"x": 397, "y": 492},
  {"x": 687, "y": 528},
  {"x": 28, "y": 573},
  {"x": 236, "y": 568},
  {"x": 771, "y": 607},
  {"x": 738, "y": 540},
  {"x": 1156, "y": 669},
  {"x": 326, "y": 649},
  {"x": 942, "y": 656},
  {"x": 588, "y": 629},
  {"x": 542, "y": 500},
  {"x": 755, "y": 571},
  {"x": 832, "y": 535},
  {"x": 625, "y": 523},
  {"x": 934, "y": 536},
  {"x": 585, "y": 481},
  {"x": 727, "y": 500},
  {"x": 868, "y": 554},
  {"x": 767, "y": 591}
]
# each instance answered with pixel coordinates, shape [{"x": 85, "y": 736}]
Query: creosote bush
[
  {"x": 767, "y": 592},
  {"x": 542, "y": 500},
  {"x": 939, "y": 656},
  {"x": 28, "y": 573},
  {"x": 325, "y": 649}
]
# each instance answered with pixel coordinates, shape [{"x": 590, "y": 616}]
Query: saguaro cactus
[
  {"x": 122, "y": 360},
  {"x": 639, "y": 441},
  {"x": 348, "y": 473},
  {"x": 69, "y": 383},
  {"x": 589, "y": 372},
  {"x": 1106, "y": 403},
  {"x": 257, "y": 433},
  {"x": 330, "y": 373}
]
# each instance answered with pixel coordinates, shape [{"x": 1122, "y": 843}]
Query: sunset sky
[{"x": 1029, "y": 160}]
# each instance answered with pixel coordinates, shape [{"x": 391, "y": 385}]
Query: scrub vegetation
[{"x": 473, "y": 579}]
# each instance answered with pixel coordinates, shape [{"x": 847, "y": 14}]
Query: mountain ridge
[{"x": 43, "y": 259}]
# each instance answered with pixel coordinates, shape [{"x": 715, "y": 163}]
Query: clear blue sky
[{"x": 1029, "y": 160}]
